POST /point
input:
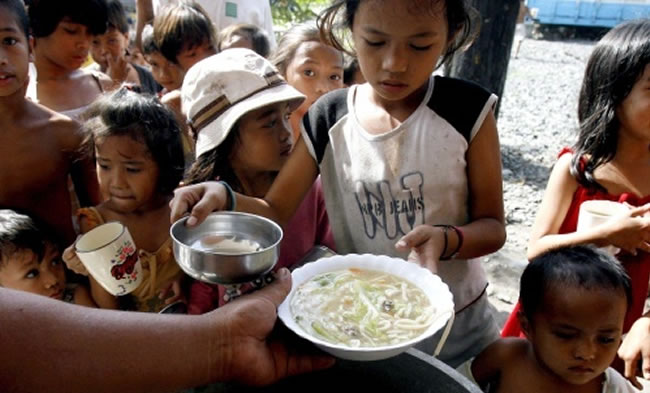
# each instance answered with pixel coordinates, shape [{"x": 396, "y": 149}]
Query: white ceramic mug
[
  {"x": 110, "y": 255},
  {"x": 594, "y": 213}
]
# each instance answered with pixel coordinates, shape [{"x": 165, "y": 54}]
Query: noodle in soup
[{"x": 361, "y": 308}]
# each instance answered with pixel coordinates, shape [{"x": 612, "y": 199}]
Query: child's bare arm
[
  {"x": 144, "y": 15},
  {"x": 82, "y": 167},
  {"x": 84, "y": 178},
  {"x": 485, "y": 233},
  {"x": 489, "y": 364},
  {"x": 287, "y": 192},
  {"x": 553, "y": 209},
  {"x": 627, "y": 232}
]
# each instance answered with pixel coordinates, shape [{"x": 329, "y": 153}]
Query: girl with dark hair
[
  {"x": 137, "y": 147},
  {"x": 610, "y": 161},
  {"x": 111, "y": 52},
  {"x": 62, "y": 32},
  {"x": 310, "y": 64},
  {"x": 245, "y": 143},
  {"x": 410, "y": 163}
]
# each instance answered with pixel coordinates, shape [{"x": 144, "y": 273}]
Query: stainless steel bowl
[{"x": 227, "y": 268}]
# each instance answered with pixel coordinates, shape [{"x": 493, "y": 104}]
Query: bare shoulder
[
  {"x": 40, "y": 119},
  {"x": 498, "y": 358},
  {"x": 90, "y": 76},
  {"x": 561, "y": 174},
  {"x": 172, "y": 100},
  {"x": 563, "y": 163},
  {"x": 69, "y": 131},
  {"x": 104, "y": 80},
  {"x": 507, "y": 349}
]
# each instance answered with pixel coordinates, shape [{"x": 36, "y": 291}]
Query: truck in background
[{"x": 587, "y": 13}]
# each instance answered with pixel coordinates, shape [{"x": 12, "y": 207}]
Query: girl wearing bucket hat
[{"x": 238, "y": 105}]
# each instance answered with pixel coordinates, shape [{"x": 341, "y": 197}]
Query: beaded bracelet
[
  {"x": 231, "y": 195},
  {"x": 461, "y": 238}
]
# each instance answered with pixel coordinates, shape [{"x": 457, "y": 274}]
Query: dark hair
[
  {"x": 45, "y": 15},
  {"x": 615, "y": 65},
  {"x": 146, "y": 120},
  {"x": 290, "y": 41},
  {"x": 584, "y": 267},
  {"x": 17, "y": 8},
  {"x": 148, "y": 44},
  {"x": 215, "y": 164},
  {"x": 258, "y": 37},
  {"x": 117, "y": 16},
  {"x": 183, "y": 25},
  {"x": 349, "y": 71},
  {"x": 461, "y": 20},
  {"x": 21, "y": 232}
]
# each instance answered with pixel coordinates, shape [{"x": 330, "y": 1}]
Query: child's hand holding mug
[
  {"x": 623, "y": 227},
  {"x": 72, "y": 261}
]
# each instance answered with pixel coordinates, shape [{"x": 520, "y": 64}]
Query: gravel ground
[{"x": 537, "y": 118}]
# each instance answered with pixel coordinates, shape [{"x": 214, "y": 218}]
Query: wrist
[
  {"x": 216, "y": 355},
  {"x": 231, "y": 199},
  {"x": 453, "y": 238}
]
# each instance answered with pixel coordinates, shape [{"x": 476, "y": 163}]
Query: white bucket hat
[{"x": 218, "y": 90}]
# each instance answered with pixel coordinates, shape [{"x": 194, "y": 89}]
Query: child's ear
[
  {"x": 524, "y": 323},
  {"x": 32, "y": 43}
]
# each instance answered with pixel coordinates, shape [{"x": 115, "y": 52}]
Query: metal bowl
[{"x": 216, "y": 267}]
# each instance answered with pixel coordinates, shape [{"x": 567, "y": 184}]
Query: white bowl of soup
[{"x": 365, "y": 307}]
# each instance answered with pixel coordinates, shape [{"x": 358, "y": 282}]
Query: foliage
[{"x": 289, "y": 12}]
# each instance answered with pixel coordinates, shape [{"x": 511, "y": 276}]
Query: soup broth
[
  {"x": 361, "y": 308},
  {"x": 226, "y": 244}
]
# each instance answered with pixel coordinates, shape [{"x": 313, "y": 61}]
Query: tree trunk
[{"x": 486, "y": 61}]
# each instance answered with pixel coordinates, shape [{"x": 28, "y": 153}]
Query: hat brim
[{"x": 213, "y": 134}]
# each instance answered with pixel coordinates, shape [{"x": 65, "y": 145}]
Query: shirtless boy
[
  {"x": 38, "y": 147},
  {"x": 573, "y": 303}
]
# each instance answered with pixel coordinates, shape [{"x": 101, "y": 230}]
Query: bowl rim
[
  {"x": 266, "y": 220},
  {"x": 445, "y": 299}
]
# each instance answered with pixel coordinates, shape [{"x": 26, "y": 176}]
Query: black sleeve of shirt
[
  {"x": 458, "y": 101},
  {"x": 322, "y": 116}
]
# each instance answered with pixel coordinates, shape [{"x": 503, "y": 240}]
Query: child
[
  {"x": 62, "y": 32},
  {"x": 30, "y": 260},
  {"x": 608, "y": 162},
  {"x": 573, "y": 303},
  {"x": 170, "y": 76},
  {"x": 184, "y": 34},
  {"x": 221, "y": 13},
  {"x": 110, "y": 51},
  {"x": 246, "y": 144},
  {"x": 405, "y": 158},
  {"x": 37, "y": 146},
  {"x": 309, "y": 64},
  {"x": 139, "y": 159},
  {"x": 167, "y": 74},
  {"x": 243, "y": 35}
]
